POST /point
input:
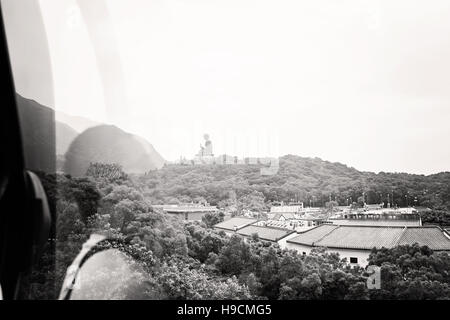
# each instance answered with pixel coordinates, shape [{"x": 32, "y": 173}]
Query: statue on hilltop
[{"x": 206, "y": 151}]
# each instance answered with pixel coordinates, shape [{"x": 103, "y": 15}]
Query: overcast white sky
[{"x": 365, "y": 83}]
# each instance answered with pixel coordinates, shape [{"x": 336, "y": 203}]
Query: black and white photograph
[{"x": 225, "y": 150}]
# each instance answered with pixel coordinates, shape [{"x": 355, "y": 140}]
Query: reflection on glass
[{"x": 111, "y": 275}]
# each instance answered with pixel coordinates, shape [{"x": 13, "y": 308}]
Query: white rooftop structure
[
  {"x": 298, "y": 207},
  {"x": 377, "y": 222},
  {"x": 235, "y": 223}
]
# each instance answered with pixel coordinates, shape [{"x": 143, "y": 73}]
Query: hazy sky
[{"x": 365, "y": 83}]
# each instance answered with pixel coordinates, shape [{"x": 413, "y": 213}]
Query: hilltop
[
  {"x": 311, "y": 180},
  {"x": 110, "y": 144}
]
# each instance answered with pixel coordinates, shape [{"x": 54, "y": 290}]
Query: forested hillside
[
  {"x": 310, "y": 180},
  {"x": 193, "y": 261}
]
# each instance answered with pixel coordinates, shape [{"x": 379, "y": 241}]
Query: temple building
[
  {"x": 355, "y": 242},
  {"x": 190, "y": 211}
]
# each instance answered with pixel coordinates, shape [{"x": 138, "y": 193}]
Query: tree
[
  {"x": 69, "y": 220},
  {"x": 253, "y": 284},
  {"x": 358, "y": 291},
  {"x": 86, "y": 195},
  {"x": 411, "y": 272},
  {"x": 268, "y": 265},
  {"x": 305, "y": 179},
  {"x": 192, "y": 260},
  {"x": 234, "y": 256},
  {"x": 336, "y": 285},
  {"x": 229, "y": 203},
  {"x": 121, "y": 192},
  {"x": 254, "y": 237},
  {"x": 178, "y": 281},
  {"x": 436, "y": 216},
  {"x": 212, "y": 218},
  {"x": 253, "y": 201},
  {"x": 124, "y": 212},
  {"x": 203, "y": 242},
  {"x": 109, "y": 171},
  {"x": 308, "y": 288}
]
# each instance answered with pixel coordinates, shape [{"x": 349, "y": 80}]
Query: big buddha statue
[{"x": 206, "y": 151}]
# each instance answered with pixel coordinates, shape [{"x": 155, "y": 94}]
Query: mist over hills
[
  {"x": 38, "y": 134},
  {"x": 110, "y": 144},
  {"x": 79, "y": 124},
  {"x": 311, "y": 180},
  {"x": 64, "y": 137},
  {"x": 43, "y": 137}
]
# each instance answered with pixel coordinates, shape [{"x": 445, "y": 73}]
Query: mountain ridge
[
  {"x": 110, "y": 144},
  {"x": 44, "y": 137},
  {"x": 311, "y": 180}
]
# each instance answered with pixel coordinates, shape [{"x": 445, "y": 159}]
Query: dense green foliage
[
  {"x": 192, "y": 261},
  {"x": 298, "y": 178},
  {"x": 412, "y": 272}
]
